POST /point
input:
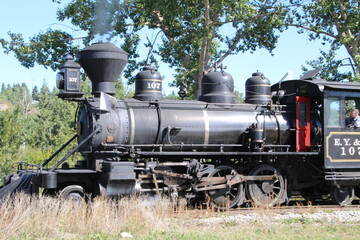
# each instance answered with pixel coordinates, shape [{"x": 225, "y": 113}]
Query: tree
[
  {"x": 35, "y": 93},
  {"x": 332, "y": 68},
  {"x": 191, "y": 36},
  {"x": 120, "y": 90},
  {"x": 3, "y": 88},
  {"x": 6, "y": 92},
  {"x": 48, "y": 49},
  {"x": 25, "y": 100},
  {"x": 30, "y": 132},
  {"x": 55, "y": 120},
  {"x": 335, "y": 22},
  {"x": 11, "y": 139},
  {"x": 172, "y": 96}
]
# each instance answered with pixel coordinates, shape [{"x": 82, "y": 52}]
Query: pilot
[{"x": 353, "y": 120}]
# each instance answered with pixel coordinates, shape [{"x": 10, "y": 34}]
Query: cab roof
[{"x": 314, "y": 87}]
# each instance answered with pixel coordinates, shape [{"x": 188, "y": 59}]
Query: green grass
[
  {"x": 263, "y": 231},
  {"x": 244, "y": 231}
]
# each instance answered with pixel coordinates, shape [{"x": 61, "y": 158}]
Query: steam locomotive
[{"x": 286, "y": 139}]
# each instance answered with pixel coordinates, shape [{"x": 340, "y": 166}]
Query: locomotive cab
[
  {"x": 341, "y": 142},
  {"x": 318, "y": 110}
]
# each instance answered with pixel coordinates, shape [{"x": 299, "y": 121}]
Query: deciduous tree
[
  {"x": 335, "y": 22},
  {"x": 193, "y": 37}
]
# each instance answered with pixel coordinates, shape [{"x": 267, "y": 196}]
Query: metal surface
[
  {"x": 342, "y": 176},
  {"x": 170, "y": 174},
  {"x": 203, "y": 127},
  {"x": 218, "y": 153},
  {"x": 258, "y": 89},
  {"x": 228, "y": 195},
  {"x": 148, "y": 85},
  {"x": 266, "y": 193},
  {"x": 217, "y": 87},
  {"x": 103, "y": 63},
  {"x": 48, "y": 179},
  {"x": 68, "y": 79},
  {"x": 342, "y": 195}
]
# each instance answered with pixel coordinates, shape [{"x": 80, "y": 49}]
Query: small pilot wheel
[
  {"x": 266, "y": 193},
  {"x": 342, "y": 195},
  {"x": 357, "y": 191},
  {"x": 72, "y": 192},
  {"x": 228, "y": 197}
]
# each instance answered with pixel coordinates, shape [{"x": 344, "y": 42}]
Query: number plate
[{"x": 343, "y": 147}]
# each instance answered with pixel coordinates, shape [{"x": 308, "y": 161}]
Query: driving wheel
[
  {"x": 266, "y": 193},
  {"x": 230, "y": 196}
]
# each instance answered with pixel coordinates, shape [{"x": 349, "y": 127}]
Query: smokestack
[{"x": 103, "y": 63}]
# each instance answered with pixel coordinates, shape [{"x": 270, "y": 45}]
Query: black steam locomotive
[{"x": 286, "y": 139}]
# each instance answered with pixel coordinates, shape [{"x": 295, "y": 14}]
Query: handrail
[
  {"x": 75, "y": 149},
  {"x": 59, "y": 150}
]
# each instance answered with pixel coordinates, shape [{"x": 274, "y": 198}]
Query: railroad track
[
  {"x": 295, "y": 209},
  {"x": 294, "y": 206},
  {"x": 285, "y": 214}
]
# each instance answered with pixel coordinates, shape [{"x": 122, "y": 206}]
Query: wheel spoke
[
  {"x": 266, "y": 193},
  {"x": 227, "y": 197}
]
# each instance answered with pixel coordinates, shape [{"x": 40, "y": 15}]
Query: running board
[{"x": 342, "y": 176}]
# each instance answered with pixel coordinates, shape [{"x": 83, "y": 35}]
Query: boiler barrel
[
  {"x": 171, "y": 123},
  {"x": 189, "y": 123},
  {"x": 177, "y": 125}
]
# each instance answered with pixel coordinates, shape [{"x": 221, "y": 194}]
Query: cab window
[
  {"x": 302, "y": 120},
  {"x": 333, "y": 109}
]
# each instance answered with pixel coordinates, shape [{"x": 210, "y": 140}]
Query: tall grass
[
  {"x": 29, "y": 217},
  {"x": 26, "y": 217}
]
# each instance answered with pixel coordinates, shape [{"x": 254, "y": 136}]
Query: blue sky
[{"x": 31, "y": 17}]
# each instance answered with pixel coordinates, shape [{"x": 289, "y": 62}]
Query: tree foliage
[
  {"x": 335, "y": 22},
  {"x": 193, "y": 37},
  {"x": 47, "y": 49},
  {"x": 332, "y": 68},
  {"x": 32, "y": 132}
]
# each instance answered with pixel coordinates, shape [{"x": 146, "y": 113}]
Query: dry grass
[
  {"x": 25, "y": 217},
  {"x": 45, "y": 217}
]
